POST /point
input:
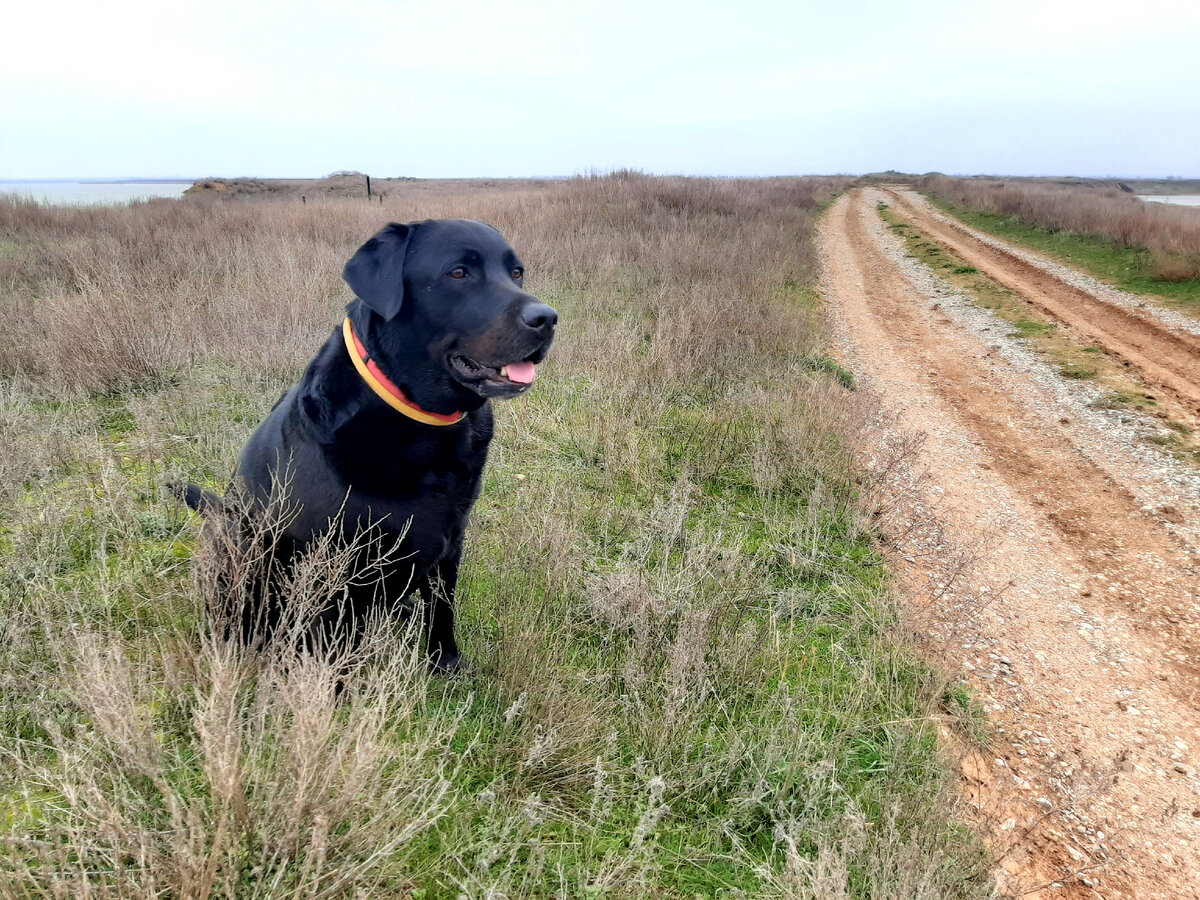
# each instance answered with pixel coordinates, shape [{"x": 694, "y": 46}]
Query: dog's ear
[{"x": 376, "y": 272}]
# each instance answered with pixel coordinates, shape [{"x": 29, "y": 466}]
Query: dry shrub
[
  {"x": 272, "y": 784},
  {"x": 207, "y": 768},
  {"x": 883, "y": 863},
  {"x": 1176, "y": 268},
  {"x": 288, "y": 602},
  {"x": 102, "y": 298},
  {"x": 1170, "y": 233},
  {"x": 35, "y": 442},
  {"x": 663, "y": 618},
  {"x": 937, "y": 571}
]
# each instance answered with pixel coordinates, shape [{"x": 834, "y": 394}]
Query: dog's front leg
[{"x": 438, "y": 596}]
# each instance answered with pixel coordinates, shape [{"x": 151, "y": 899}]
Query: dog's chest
[
  {"x": 433, "y": 478},
  {"x": 449, "y": 466}
]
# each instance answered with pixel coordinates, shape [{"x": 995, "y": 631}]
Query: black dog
[{"x": 390, "y": 424}]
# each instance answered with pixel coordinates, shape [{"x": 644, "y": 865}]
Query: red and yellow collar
[{"x": 385, "y": 388}]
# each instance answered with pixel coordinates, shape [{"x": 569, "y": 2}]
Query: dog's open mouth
[{"x": 518, "y": 375}]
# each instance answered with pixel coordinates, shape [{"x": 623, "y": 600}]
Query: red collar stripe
[{"x": 384, "y": 387}]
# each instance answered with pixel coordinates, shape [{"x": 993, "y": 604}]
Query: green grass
[
  {"x": 822, "y": 363},
  {"x": 1129, "y": 268},
  {"x": 688, "y": 674},
  {"x": 797, "y": 642},
  {"x": 1026, "y": 321}
]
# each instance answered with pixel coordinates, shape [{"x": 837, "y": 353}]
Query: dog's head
[{"x": 447, "y": 307}]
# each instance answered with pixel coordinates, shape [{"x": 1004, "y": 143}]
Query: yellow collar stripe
[{"x": 388, "y": 392}]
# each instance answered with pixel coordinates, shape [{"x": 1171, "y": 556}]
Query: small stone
[{"x": 1182, "y": 769}]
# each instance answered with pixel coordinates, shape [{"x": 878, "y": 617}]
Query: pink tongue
[{"x": 522, "y": 372}]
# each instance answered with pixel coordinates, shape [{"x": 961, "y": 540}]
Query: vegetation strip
[
  {"x": 686, "y": 674},
  {"x": 1140, "y": 247}
]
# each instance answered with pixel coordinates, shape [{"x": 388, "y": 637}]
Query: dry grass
[
  {"x": 1170, "y": 233},
  {"x": 100, "y": 298},
  {"x": 686, "y": 674}
]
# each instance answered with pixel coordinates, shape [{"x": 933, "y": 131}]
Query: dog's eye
[
  {"x": 458, "y": 272},
  {"x": 518, "y": 273}
]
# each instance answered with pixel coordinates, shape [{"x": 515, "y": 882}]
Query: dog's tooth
[{"x": 504, "y": 371}]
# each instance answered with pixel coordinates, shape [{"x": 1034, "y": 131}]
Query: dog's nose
[{"x": 539, "y": 316}]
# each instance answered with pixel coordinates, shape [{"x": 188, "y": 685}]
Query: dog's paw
[{"x": 447, "y": 665}]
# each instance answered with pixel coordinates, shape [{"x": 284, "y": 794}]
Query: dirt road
[
  {"x": 1162, "y": 357},
  {"x": 1086, "y": 658}
]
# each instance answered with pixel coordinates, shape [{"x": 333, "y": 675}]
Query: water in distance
[
  {"x": 1178, "y": 199},
  {"x": 92, "y": 193}
]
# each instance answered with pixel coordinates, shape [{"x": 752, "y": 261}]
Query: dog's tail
[{"x": 197, "y": 498}]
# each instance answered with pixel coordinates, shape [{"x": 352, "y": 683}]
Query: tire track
[
  {"x": 1166, "y": 359},
  {"x": 1098, "y": 518}
]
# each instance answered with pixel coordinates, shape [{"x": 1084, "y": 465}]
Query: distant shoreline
[
  {"x": 70, "y": 192},
  {"x": 91, "y": 191},
  {"x": 98, "y": 180}
]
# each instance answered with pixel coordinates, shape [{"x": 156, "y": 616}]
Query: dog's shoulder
[{"x": 329, "y": 393}]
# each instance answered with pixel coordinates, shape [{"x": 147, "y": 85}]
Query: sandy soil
[{"x": 1085, "y": 658}]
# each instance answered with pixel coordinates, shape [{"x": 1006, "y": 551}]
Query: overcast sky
[{"x": 533, "y": 87}]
